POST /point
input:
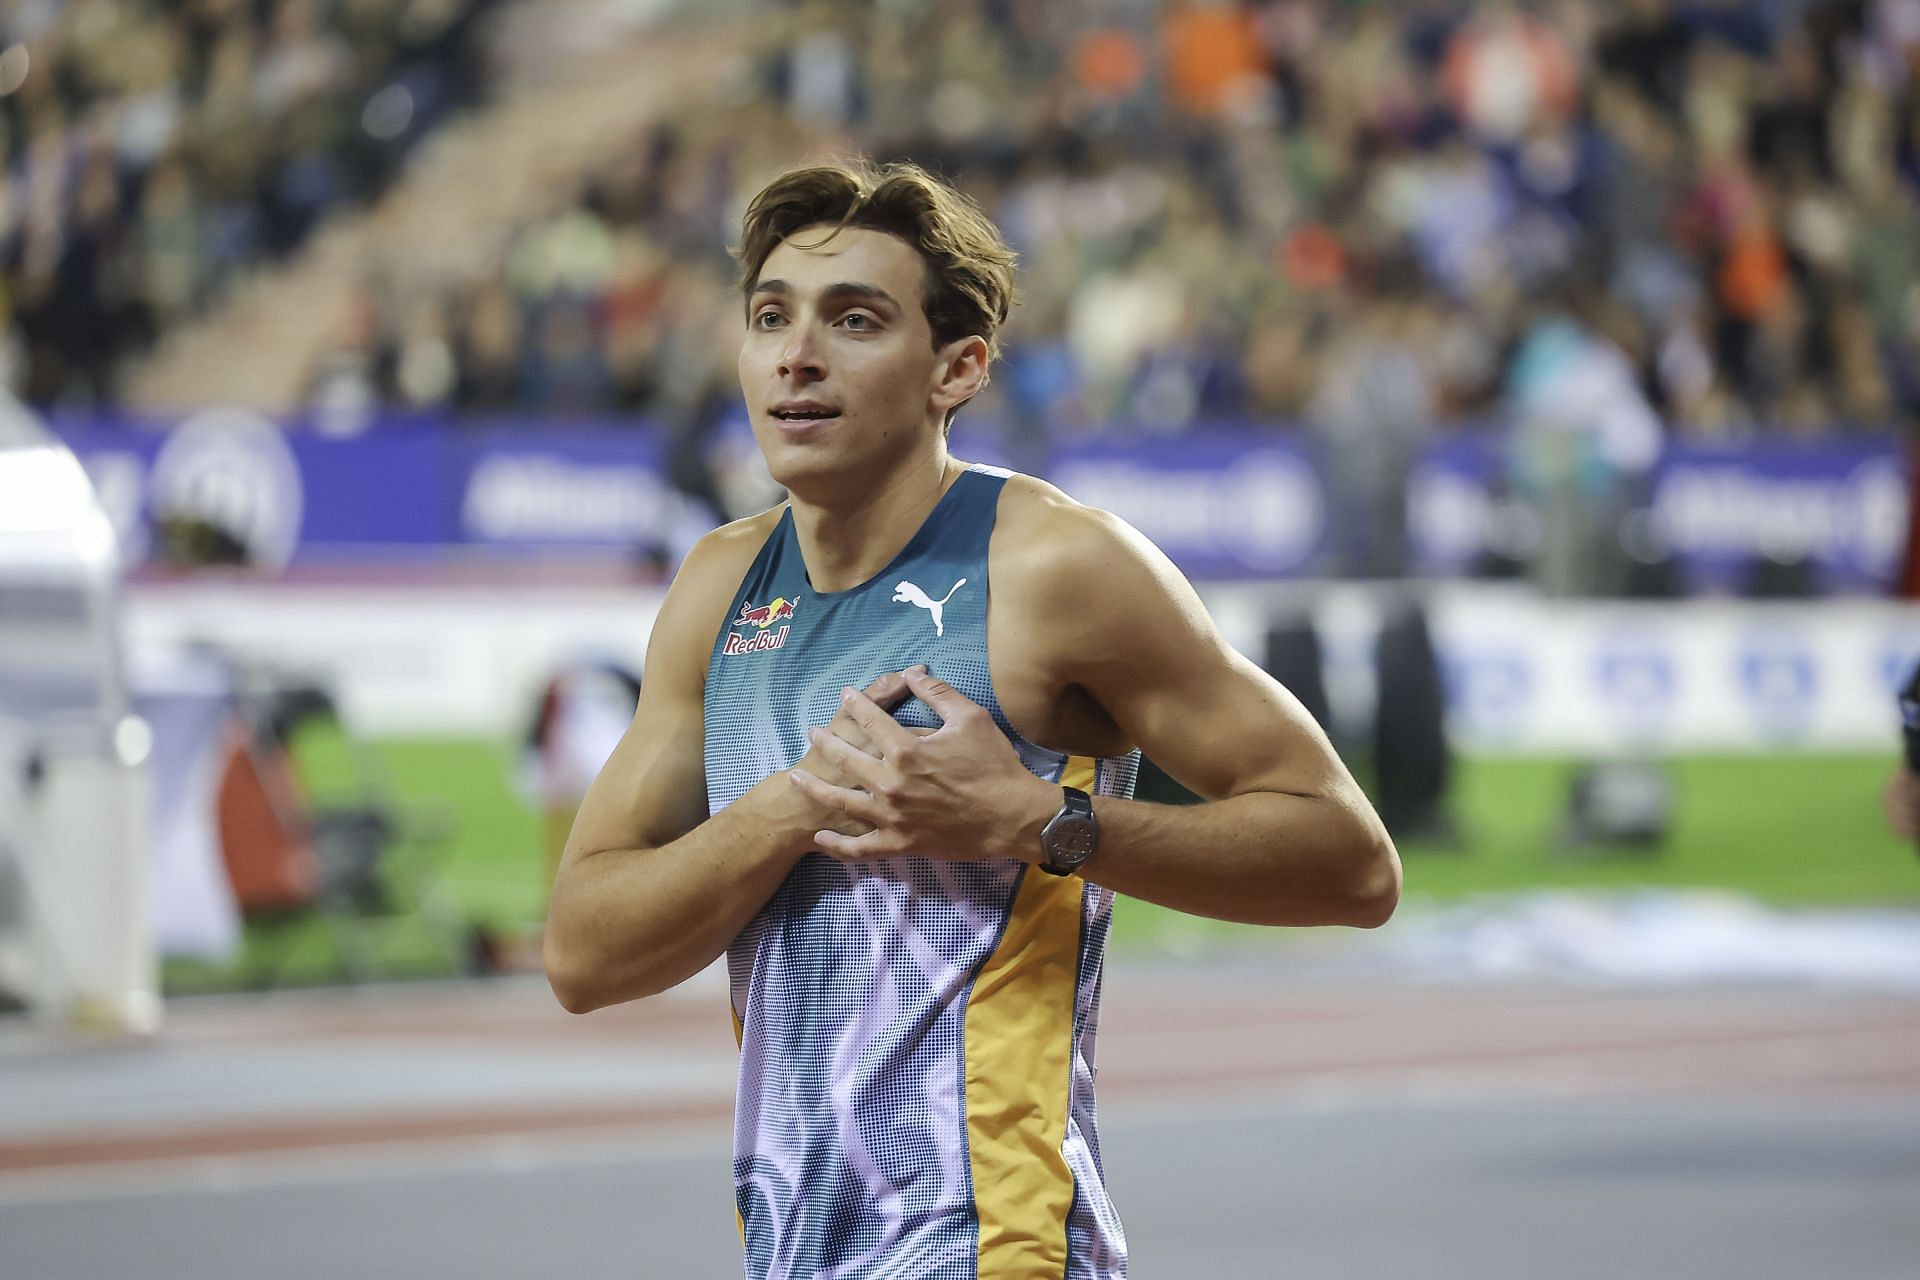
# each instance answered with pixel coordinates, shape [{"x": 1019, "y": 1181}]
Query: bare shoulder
[
  {"x": 1094, "y": 595},
  {"x": 1065, "y": 550},
  {"x": 1043, "y": 524},
  {"x": 696, "y": 603},
  {"x": 734, "y": 544}
]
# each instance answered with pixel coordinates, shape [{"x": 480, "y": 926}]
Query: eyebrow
[{"x": 840, "y": 289}]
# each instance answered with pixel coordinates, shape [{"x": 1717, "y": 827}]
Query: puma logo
[{"x": 907, "y": 593}]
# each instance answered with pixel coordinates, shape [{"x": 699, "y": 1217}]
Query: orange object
[
  {"x": 1109, "y": 63},
  {"x": 270, "y": 863},
  {"x": 1210, "y": 53},
  {"x": 1753, "y": 275},
  {"x": 1311, "y": 257}
]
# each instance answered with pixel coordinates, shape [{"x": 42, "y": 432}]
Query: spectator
[
  {"x": 1209, "y": 197},
  {"x": 1373, "y": 409},
  {"x": 155, "y": 152}
]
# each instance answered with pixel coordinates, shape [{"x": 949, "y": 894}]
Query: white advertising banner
[
  {"x": 404, "y": 660},
  {"x": 1528, "y": 675},
  {"x": 1522, "y": 674}
]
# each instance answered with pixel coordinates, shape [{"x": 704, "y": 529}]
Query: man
[
  {"x": 1901, "y": 795},
  {"x": 909, "y": 880}
]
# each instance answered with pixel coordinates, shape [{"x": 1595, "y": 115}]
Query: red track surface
[{"x": 1169, "y": 1037}]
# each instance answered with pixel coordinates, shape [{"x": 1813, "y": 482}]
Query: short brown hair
[{"x": 968, "y": 285}]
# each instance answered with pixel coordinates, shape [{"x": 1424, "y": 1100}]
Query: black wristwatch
[{"x": 1070, "y": 836}]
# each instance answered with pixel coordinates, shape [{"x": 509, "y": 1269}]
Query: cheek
[{"x": 749, "y": 362}]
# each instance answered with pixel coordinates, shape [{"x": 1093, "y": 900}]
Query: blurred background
[{"x": 1532, "y": 387}]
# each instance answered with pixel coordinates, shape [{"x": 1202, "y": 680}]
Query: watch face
[{"x": 1071, "y": 841}]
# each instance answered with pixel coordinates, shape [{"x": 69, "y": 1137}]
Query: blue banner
[
  {"x": 1221, "y": 505},
  {"x": 1840, "y": 506},
  {"x": 1232, "y": 501}
]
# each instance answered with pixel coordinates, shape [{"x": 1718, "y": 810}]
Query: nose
[{"x": 800, "y": 357}]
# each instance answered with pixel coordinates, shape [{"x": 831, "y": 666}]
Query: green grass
[
  {"x": 1800, "y": 830},
  {"x": 1790, "y": 830},
  {"x": 1786, "y": 829}
]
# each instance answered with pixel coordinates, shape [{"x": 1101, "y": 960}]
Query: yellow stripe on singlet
[
  {"x": 1019, "y": 1073},
  {"x": 739, "y": 1034}
]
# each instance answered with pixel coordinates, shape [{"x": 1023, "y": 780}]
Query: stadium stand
[
  {"x": 1276, "y": 212},
  {"x": 156, "y": 154}
]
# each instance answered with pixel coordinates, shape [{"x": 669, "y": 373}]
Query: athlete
[{"x": 883, "y": 760}]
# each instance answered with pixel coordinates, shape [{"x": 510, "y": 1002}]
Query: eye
[
  {"x": 857, "y": 321},
  {"x": 762, "y": 316}
]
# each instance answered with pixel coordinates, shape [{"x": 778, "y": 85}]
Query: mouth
[{"x": 799, "y": 414}]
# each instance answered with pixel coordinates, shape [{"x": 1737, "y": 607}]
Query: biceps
[
  {"x": 1218, "y": 724},
  {"x": 652, "y": 790}
]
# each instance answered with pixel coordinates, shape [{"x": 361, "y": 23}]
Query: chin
[{"x": 793, "y": 465}]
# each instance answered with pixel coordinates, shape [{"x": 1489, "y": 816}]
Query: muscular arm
[
  {"x": 1096, "y": 614},
  {"x": 650, "y": 889},
  {"x": 1285, "y": 835}
]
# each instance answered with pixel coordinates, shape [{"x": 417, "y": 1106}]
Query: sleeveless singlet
[{"x": 916, "y": 1035}]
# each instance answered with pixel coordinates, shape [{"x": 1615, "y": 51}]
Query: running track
[{"x": 1255, "y": 1125}]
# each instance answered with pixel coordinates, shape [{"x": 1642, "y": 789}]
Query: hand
[
  {"x": 958, "y": 793},
  {"x": 887, "y": 691},
  {"x": 1902, "y": 801}
]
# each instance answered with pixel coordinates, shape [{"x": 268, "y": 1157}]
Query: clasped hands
[{"x": 886, "y": 791}]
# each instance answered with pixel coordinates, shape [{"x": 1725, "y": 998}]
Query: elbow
[
  {"x": 586, "y": 979},
  {"x": 1376, "y": 886},
  {"x": 571, "y": 980},
  {"x": 572, "y": 998}
]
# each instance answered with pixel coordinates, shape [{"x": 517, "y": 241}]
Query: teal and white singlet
[{"x": 916, "y": 1035}]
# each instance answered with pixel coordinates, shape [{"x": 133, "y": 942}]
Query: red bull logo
[
  {"x": 766, "y": 615},
  {"x": 761, "y": 618}
]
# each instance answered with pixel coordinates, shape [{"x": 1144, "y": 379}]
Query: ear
[{"x": 959, "y": 371}]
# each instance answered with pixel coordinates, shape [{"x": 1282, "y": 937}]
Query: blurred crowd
[
  {"x": 1696, "y": 218},
  {"x": 158, "y": 150},
  {"x": 1704, "y": 217}
]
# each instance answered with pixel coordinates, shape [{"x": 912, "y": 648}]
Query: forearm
[
  {"x": 627, "y": 923},
  {"x": 1257, "y": 858}
]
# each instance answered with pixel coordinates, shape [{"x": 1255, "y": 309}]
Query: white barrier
[
  {"x": 1527, "y": 675},
  {"x": 76, "y": 834},
  {"x": 404, "y": 660},
  {"x": 1523, "y": 674}
]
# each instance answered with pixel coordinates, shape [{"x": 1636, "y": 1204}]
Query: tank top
[{"x": 916, "y": 1035}]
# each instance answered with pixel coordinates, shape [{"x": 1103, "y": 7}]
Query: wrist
[
  {"x": 788, "y": 817},
  {"x": 1034, "y": 807}
]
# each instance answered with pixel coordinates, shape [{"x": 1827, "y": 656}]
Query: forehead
[{"x": 858, "y": 255}]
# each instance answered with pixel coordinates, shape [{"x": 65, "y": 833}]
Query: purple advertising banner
[
  {"x": 1224, "y": 503},
  {"x": 1838, "y": 506}
]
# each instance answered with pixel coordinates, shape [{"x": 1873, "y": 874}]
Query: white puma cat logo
[{"x": 907, "y": 593}]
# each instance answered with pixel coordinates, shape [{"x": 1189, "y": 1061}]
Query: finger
[
  {"x": 855, "y": 804},
  {"x": 847, "y": 729},
  {"x": 889, "y": 689},
  {"x": 852, "y": 759},
  {"x": 1893, "y": 803},
  {"x": 1900, "y": 803},
  {"x": 864, "y": 848},
  {"x": 885, "y": 735},
  {"x": 947, "y": 702}
]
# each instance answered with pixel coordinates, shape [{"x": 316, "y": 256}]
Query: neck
[{"x": 858, "y": 532}]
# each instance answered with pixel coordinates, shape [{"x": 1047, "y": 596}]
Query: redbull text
[{"x": 737, "y": 644}]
